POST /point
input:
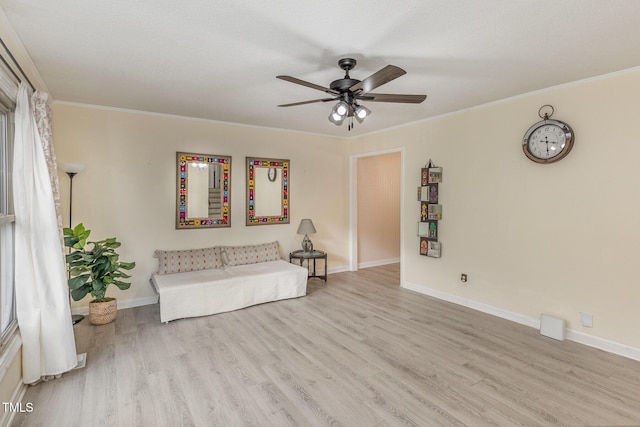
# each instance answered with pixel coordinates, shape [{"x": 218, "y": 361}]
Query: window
[{"x": 7, "y": 300}]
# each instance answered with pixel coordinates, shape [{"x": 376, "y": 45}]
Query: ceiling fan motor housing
[{"x": 343, "y": 85}]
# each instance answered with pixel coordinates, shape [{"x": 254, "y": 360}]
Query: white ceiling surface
[{"x": 218, "y": 59}]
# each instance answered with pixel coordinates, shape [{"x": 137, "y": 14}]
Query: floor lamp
[{"x": 72, "y": 169}]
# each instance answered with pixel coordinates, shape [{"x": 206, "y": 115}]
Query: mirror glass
[
  {"x": 268, "y": 182},
  {"x": 203, "y": 197}
]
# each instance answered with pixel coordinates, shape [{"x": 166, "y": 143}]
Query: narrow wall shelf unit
[{"x": 430, "y": 210}]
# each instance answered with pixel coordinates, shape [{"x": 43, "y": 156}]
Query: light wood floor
[{"x": 358, "y": 351}]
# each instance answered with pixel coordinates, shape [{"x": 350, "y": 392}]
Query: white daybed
[{"x": 198, "y": 283}]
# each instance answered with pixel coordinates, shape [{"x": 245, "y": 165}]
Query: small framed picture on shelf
[
  {"x": 434, "y": 212},
  {"x": 434, "y": 175},
  {"x": 424, "y": 194},
  {"x": 423, "y": 229},
  {"x": 429, "y": 193},
  {"x": 425, "y": 176},
  {"x": 428, "y": 229},
  {"x": 424, "y": 246},
  {"x": 433, "y": 249},
  {"x": 423, "y": 211},
  {"x": 432, "y": 230},
  {"x": 433, "y": 193}
]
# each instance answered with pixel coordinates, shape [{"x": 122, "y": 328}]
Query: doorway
[{"x": 376, "y": 209}]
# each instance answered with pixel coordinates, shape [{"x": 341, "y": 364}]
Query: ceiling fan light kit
[{"x": 348, "y": 92}]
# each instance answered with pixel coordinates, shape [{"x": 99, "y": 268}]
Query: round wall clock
[
  {"x": 271, "y": 174},
  {"x": 548, "y": 141}
]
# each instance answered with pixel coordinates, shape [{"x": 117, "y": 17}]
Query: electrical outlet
[
  {"x": 463, "y": 278},
  {"x": 586, "y": 319}
]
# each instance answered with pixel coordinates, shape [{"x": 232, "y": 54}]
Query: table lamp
[{"x": 306, "y": 227}]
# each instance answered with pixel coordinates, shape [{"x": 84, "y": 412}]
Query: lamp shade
[
  {"x": 336, "y": 118},
  {"x": 341, "y": 109},
  {"x": 306, "y": 227},
  {"x": 71, "y": 167},
  {"x": 361, "y": 112}
]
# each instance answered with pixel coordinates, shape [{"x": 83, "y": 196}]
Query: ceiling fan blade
[
  {"x": 385, "y": 75},
  {"x": 392, "y": 97},
  {"x": 307, "y": 102},
  {"x": 307, "y": 84}
]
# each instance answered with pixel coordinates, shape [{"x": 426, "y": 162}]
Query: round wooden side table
[{"x": 309, "y": 256}]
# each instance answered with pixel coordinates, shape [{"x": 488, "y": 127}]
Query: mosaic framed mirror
[
  {"x": 268, "y": 182},
  {"x": 203, "y": 191}
]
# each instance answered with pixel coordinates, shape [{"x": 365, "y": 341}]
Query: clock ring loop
[{"x": 546, "y": 116}]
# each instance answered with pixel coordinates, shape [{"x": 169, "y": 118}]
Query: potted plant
[{"x": 93, "y": 266}]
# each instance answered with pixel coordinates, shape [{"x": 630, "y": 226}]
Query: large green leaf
[
  {"x": 120, "y": 274},
  {"x": 110, "y": 243},
  {"x": 77, "y": 282},
  {"x": 77, "y": 271},
  {"x": 79, "y": 230},
  {"x": 122, "y": 285},
  {"x": 127, "y": 265},
  {"x": 69, "y": 241},
  {"x": 102, "y": 267},
  {"x": 98, "y": 288},
  {"x": 80, "y": 244},
  {"x": 77, "y": 237},
  {"x": 78, "y": 294}
]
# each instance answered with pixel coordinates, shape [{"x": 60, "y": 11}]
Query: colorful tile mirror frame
[
  {"x": 203, "y": 198},
  {"x": 268, "y": 182}
]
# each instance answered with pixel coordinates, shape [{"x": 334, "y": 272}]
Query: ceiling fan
[{"x": 348, "y": 92}]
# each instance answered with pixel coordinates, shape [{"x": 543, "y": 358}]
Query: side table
[{"x": 313, "y": 255}]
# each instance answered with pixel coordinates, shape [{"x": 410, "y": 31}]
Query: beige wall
[
  {"x": 558, "y": 239},
  {"x": 128, "y": 187},
  {"x": 378, "y": 207}
]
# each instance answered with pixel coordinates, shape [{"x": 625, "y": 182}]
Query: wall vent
[{"x": 552, "y": 327}]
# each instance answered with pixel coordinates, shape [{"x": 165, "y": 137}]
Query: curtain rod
[{"x": 13, "y": 59}]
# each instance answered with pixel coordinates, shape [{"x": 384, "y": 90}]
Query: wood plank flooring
[{"x": 356, "y": 351}]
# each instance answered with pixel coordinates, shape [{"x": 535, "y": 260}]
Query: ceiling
[{"x": 218, "y": 59}]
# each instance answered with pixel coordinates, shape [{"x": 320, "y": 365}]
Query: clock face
[
  {"x": 547, "y": 141},
  {"x": 271, "y": 174}
]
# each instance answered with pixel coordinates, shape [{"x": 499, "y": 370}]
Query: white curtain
[{"x": 42, "y": 298}]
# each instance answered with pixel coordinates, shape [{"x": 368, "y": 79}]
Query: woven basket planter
[{"x": 101, "y": 313}]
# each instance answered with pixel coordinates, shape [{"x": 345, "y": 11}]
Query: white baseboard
[
  {"x": 122, "y": 304},
  {"x": 573, "y": 335},
  {"x": 378, "y": 263},
  {"x": 604, "y": 344},
  {"x": 339, "y": 269}
]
